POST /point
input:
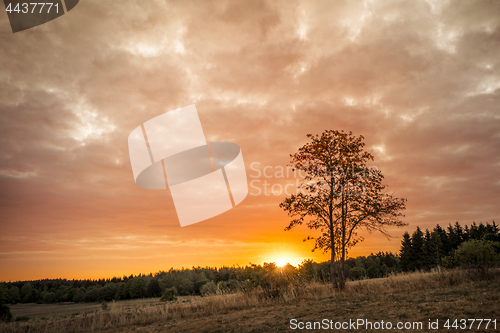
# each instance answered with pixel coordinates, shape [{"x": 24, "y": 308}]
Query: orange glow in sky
[{"x": 418, "y": 80}]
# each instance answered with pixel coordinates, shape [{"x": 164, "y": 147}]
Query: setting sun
[{"x": 281, "y": 262}]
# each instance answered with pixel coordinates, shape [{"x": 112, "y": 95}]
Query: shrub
[
  {"x": 234, "y": 285},
  {"x": 209, "y": 288},
  {"x": 184, "y": 286},
  {"x": 49, "y": 297},
  {"x": 223, "y": 288},
  {"x": 5, "y": 314},
  {"x": 79, "y": 295},
  {"x": 356, "y": 273},
  {"x": 14, "y": 295},
  {"x": 169, "y": 295},
  {"x": 308, "y": 270},
  {"x": 477, "y": 253}
]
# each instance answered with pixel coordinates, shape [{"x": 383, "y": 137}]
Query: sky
[{"x": 420, "y": 80}]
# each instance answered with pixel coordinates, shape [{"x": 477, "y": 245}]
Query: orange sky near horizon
[{"x": 419, "y": 80}]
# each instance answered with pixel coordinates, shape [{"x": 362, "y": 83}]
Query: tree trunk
[
  {"x": 342, "y": 270},
  {"x": 342, "y": 259},
  {"x": 341, "y": 284},
  {"x": 333, "y": 266}
]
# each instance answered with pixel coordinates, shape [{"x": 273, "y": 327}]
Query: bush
[
  {"x": 169, "y": 295},
  {"x": 234, "y": 285},
  {"x": 476, "y": 253},
  {"x": 5, "y": 314},
  {"x": 31, "y": 297},
  {"x": 49, "y": 297},
  {"x": 184, "y": 286},
  {"x": 108, "y": 292},
  {"x": 356, "y": 273},
  {"x": 308, "y": 270},
  {"x": 209, "y": 288},
  {"x": 104, "y": 305},
  {"x": 79, "y": 295},
  {"x": 223, "y": 288},
  {"x": 14, "y": 295}
]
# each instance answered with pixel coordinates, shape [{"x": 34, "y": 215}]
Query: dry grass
[{"x": 411, "y": 296}]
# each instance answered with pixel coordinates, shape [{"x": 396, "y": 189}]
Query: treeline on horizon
[
  {"x": 420, "y": 251},
  {"x": 474, "y": 246}
]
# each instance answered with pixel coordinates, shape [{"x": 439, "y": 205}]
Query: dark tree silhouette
[
  {"x": 405, "y": 252},
  {"x": 417, "y": 254},
  {"x": 439, "y": 248},
  {"x": 153, "y": 289},
  {"x": 339, "y": 195}
]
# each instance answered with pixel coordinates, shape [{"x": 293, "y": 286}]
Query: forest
[
  {"x": 474, "y": 246},
  {"x": 477, "y": 245}
]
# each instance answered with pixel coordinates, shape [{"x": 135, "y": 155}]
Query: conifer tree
[
  {"x": 405, "y": 251},
  {"x": 417, "y": 250}
]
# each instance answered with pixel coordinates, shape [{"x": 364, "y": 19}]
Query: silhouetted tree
[
  {"x": 417, "y": 254},
  {"x": 136, "y": 287},
  {"x": 5, "y": 314},
  {"x": 436, "y": 248},
  {"x": 342, "y": 195},
  {"x": 440, "y": 247},
  {"x": 14, "y": 296},
  {"x": 405, "y": 252},
  {"x": 308, "y": 270},
  {"x": 153, "y": 289},
  {"x": 455, "y": 236},
  {"x": 429, "y": 249}
]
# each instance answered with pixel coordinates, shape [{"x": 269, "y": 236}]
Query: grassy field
[
  {"x": 65, "y": 310},
  {"x": 406, "y": 298}
]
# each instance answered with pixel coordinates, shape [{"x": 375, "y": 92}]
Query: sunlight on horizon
[
  {"x": 281, "y": 263},
  {"x": 281, "y": 260}
]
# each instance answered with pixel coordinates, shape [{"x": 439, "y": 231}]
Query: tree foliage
[
  {"x": 170, "y": 294},
  {"x": 340, "y": 195},
  {"x": 479, "y": 254},
  {"x": 5, "y": 314},
  {"x": 452, "y": 247},
  {"x": 269, "y": 278}
]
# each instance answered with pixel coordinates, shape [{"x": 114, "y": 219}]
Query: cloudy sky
[{"x": 420, "y": 80}]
